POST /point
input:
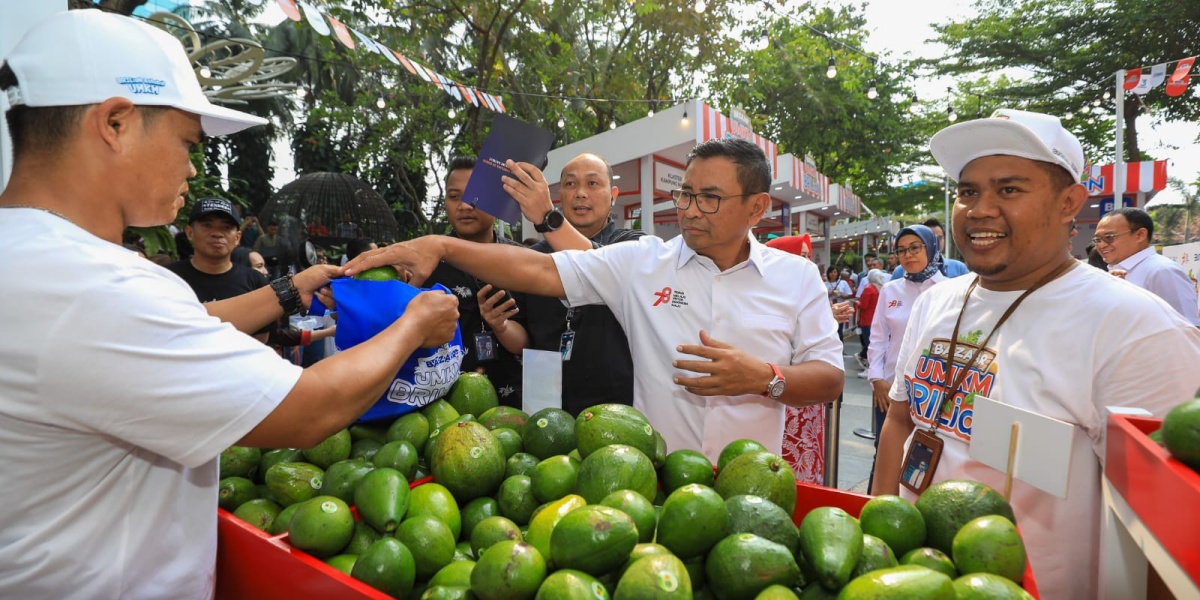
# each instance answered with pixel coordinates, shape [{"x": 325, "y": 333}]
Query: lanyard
[{"x": 948, "y": 391}]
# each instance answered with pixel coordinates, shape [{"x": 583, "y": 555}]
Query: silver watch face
[{"x": 775, "y": 389}]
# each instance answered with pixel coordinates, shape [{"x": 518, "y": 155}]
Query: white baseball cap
[
  {"x": 1010, "y": 132},
  {"x": 88, "y": 56}
]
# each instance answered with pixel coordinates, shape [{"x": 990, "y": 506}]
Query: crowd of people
[{"x": 123, "y": 380}]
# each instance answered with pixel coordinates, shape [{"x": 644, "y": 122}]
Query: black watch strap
[
  {"x": 551, "y": 222},
  {"x": 288, "y": 295}
]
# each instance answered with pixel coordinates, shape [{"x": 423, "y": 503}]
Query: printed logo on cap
[{"x": 143, "y": 85}]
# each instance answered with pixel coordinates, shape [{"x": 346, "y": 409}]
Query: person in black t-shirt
[
  {"x": 210, "y": 272},
  {"x": 597, "y": 367},
  {"x": 493, "y": 330}
]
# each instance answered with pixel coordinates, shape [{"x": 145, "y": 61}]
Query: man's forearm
[
  {"x": 249, "y": 312},
  {"x": 812, "y": 382},
  {"x": 513, "y": 268}
]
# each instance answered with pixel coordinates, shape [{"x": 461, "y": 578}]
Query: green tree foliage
[
  {"x": 781, "y": 81},
  {"x": 1070, "y": 50}
]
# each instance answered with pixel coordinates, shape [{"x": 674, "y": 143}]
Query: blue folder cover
[{"x": 509, "y": 139}]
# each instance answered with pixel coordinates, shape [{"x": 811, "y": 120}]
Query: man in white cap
[
  {"x": 118, "y": 389},
  {"x": 1032, "y": 330}
]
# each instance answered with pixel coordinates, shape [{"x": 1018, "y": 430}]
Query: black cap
[{"x": 208, "y": 206}]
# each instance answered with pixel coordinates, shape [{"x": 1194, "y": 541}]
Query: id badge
[
  {"x": 567, "y": 345},
  {"x": 921, "y": 460},
  {"x": 485, "y": 347}
]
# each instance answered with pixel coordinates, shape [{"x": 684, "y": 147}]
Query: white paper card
[
  {"x": 541, "y": 380},
  {"x": 1043, "y": 457},
  {"x": 1131, "y": 411}
]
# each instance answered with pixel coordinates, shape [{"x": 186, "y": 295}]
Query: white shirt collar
[
  {"x": 1134, "y": 259},
  {"x": 756, "y": 259}
]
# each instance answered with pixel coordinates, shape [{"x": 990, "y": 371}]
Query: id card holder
[
  {"x": 921, "y": 460},
  {"x": 567, "y": 345},
  {"x": 485, "y": 347}
]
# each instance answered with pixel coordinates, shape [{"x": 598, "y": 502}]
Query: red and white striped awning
[
  {"x": 713, "y": 125},
  {"x": 1148, "y": 176}
]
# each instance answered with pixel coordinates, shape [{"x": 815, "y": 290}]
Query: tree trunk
[{"x": 1131, "y": 140}]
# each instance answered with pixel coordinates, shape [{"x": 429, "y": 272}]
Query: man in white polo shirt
[
  {"x": 723, "y": 331},
  {"x": 1123, "y": 241}
]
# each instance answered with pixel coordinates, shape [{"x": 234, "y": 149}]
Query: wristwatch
[
  {"x": 775, "y": 387},
  {"x": 288, "y": 295},
  {"x": 551, "y": 222}
]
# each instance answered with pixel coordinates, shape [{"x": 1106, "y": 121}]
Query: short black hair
[
  {"x": 1060, "y": 178},
  {"x": 932, "y": 222},
  {"x": 1137, "y": 218},
  {"x": 357, "y": 246},
  {"x": 460, "y": 163},
  {"x": 754, "y": 172},
  {"x": 870, "y": 255}
]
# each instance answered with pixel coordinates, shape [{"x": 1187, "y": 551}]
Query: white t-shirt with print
[
  {"x": 1083, "y": 342},
  {"x": 117, "y": 394},
  {"x": 772, "y": 306}
]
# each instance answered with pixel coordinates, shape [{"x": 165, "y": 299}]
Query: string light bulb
[
  {"x": 302, "y": 92},
  {"x": 831, "y": 72},
  {"x": 205, "y": 71},
  {"x": 1107, "y": 95},
  {"x": 452, "y": 113},
  {"x": 612, "y": 124},
  {"x": 872, "y": 91},
  {"x": 951, "y": 115},
  {"x": 650, "y": 113},
  {"x": 1070, "y": 115},
  {"x": 1096, "y": 102},
  {"x": 684, "y": 120},
  {"x": 915, "y": 105},
  {"x": 380, "y": 102},
  {"x": 561, "y": 123},
  {"x": 700, "y": 6}
]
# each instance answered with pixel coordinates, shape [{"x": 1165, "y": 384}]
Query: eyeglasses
[
  {"x": 1109, "y": 237},
  {"x": 707, "y": 203},
  {"x": 912, "y": 250}
]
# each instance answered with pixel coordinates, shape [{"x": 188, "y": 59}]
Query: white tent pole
[{"x": 1119, "y": 160}]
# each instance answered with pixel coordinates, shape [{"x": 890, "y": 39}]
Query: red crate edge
[{"x": 1156, "y": 486}]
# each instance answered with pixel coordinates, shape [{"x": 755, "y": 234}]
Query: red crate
[
  {"x": 810, "y": 496},
  {"x": 1156, "y": 486},
  {"x": 254, "y": 565}
]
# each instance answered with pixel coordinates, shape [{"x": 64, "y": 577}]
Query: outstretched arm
[{"x": 505, "y": 266}]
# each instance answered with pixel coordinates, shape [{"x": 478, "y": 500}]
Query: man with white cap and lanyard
[
  {"x": 1030, "y": 329},
  {"x": 118, "y": 389}
]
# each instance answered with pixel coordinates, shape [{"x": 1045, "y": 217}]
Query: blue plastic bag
[{"x": 367, "y": 307}]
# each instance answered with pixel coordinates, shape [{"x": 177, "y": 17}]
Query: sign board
[
  {"x": 1106, "y": 205},
  {"x": 1043, "y": 447},
  {"x": 739, "y": 125},
  {"x": 812, "y": 224},
  {"x": 1186, "y": 256},
  {"x": 667, "y": 177}
]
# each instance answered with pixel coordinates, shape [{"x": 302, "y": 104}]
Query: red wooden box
[{"x": 1160, "y": 489}]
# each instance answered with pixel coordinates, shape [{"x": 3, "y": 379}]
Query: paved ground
[{"x": 855, "y": 454}]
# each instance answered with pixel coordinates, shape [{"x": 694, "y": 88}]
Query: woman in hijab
[{"x": 922, "y": 261}]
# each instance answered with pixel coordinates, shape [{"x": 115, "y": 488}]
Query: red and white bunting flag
[
  {"x": 467, "y": 95},
  {"x": 1158, "y": 74},
  {"x": 421, "y": 71},
  {"x": 1132, "y": 77},
  {"x": 404, "y": 61},
  {"x": 315, "y": 18},
  {"x": 485, "y": 99},
  {"x": 1178, "y": 83},
  {"x": 366, "y": 42},
  {"x": 343, "y": 35},
  {"x": 1183, "y": 68},
  {"x": 499, "y": 103},
  {"x": 449, "y": 86},
  {"x": 290, "y": 9},
  {"x": 388, "y": 53}
]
